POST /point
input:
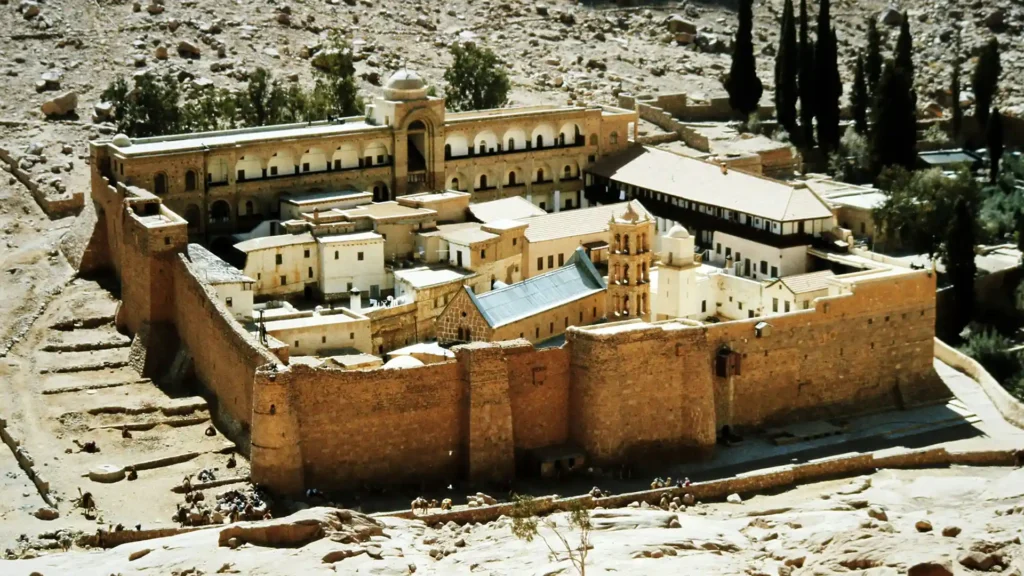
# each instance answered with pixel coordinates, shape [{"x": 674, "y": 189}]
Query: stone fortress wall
[{"x": 620, "y": 392}]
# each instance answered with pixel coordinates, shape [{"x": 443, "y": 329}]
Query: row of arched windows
[
  {"x": 161, "y": 187},
  {"x": 626, "y": 306},
  {"x": 512, "y": 178},
  {"x": 621, "y": 274},
  {"x": 622, "y": 244}
]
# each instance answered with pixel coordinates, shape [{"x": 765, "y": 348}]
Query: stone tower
[
  {"x": 677, "y": 294},
  {"x": 629, "y": 266}
]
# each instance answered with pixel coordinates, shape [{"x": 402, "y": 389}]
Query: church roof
[{"x": 577, "y": 279}]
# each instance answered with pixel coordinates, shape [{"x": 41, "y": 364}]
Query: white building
[
  {"x": 322, "y": 332},
  {"x": 351, "y": 260},
  {"x": 234, "y": 289}
]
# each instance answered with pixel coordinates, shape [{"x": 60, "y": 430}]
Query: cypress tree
[
  {"x": 859, "y": 97},
  {"x": 873, "y": 62},
  {"x": 994, "y": 142},
  {"x": 830, "y": 86},
  {"x": 808, "y": 89},
  {"x": 957, "y": 121},
  {"x": 787, "y": 66},
  {"x": 960, "y": 262},
  {"x": 894, "y": 137},
  {"x": 743, "y": 85},
  {"x": 905, "y": 50},
  {"x": 985, "y": 81}
]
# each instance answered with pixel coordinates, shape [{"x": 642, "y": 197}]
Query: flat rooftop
[
  {"x": 385, "y": 211},
  {"x": 578, "y": 222},
  {"x": 467, "y": 236},
  {"x": 354, "y": 237},
  {"x": 427, "y": 276},
  {"x": 274, "y": 241},
  {"x": 314, "y": 320},
  {"x": 514, "y": 208},
  {"x": 231, "y": 138},
  {"x": 322, "y": 197},
  {"x": 434, "y": 196}
]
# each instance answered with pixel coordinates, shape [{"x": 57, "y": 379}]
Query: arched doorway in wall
[
  {"x": 220, "y": 212},
  {"x": 160, "y": 184},
  {"x": 417, "y": 152},
  {"x": 190, "y": 181},
  {"x": 194, "y": 217},
  {"x": 380, "y": 192}
]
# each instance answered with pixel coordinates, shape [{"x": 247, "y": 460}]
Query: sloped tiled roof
[
  {"x": 810, "y": 282},
  {"x": 704, "y": 183},
  {"x": 579, "y": 222},
  {"x": 577, "y": 279},
  {"x": 512, "y": 208}
]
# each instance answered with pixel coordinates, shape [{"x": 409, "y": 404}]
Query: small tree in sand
[{"x": 526, "y": 525}]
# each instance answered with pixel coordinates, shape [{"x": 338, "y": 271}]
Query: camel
[
  {"x": 420, "y": 504},
  {"x": 446, "y": 504},
  {"x": 125, "y": 432}
]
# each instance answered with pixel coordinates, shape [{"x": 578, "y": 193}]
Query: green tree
[
  {"x": 256, "y": 105},
  {"x": 476, "y": 79},
  {"x": 985, "y": 81},
  {"x": 994, "y": 141},
  {"x": 830, "y": 86},
  {"x": 526, "y": 525},
  {"x": 208, "y": 109},
  {"x": 787, "y": 66},
  {"x": 905, "y": 49},
  {"x": 149, "y": 108},
  {"x": 957, "y": 119},
  {"x": 335, "y": 91},
  {"x": 959, "y": 259},
  {"x": 873, "y": 62},
  {"x": 919, "y": 206},
  {"x": 991, "y": 350},
  {"x": 859, "y": 97},
  {"x": 808, "y": 85},
  {"x": 894, "y": 136},
  {"x": 742, "y": 84}
]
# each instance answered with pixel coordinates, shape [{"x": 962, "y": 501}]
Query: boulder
[
  {"x": 951, "y": 531},
  {"x": 677, "y": 23},
  {"x": 29, "y": 10},
  {"x": 155, "y": 8},
  {"x": 188, "y": 49},
  {"x": 996, "y": 19},
  {"x": 541, "y": 9},
  {"x": 931, "y": 568},
  {"x": 51, "y": 80},
  {"x": 977, "y": 560},
  {"x": 161, "y": 52},
  {"x": 890, "y": 17},
  {"x": 61, "y": 105},
  {"x": 923, "y": 526},
  {"x": 302, "y": 528},
  {"x": 424, "y": 22},
  {"x": 878, "y": 513},
  {"x": 734, "y": 499}
]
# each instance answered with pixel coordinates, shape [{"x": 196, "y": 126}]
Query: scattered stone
[
  {"x": 734, "y": 499},
  {"x": 677, "y": 23},
  {"x": 29, "y": 10},
  {"x": 234, "y": 543},
  {"x": 188, "y": 50},
  {"x": 161, "y": 52},
  {"x": 951, "y": 531},
  {"x": 155, "y": 8},
  {"x": 996, "y": 19},
  {"x": 890, "y": 17},
  {"x": 61, "y": 105},
  {"x": 878, "y": 513},
  {"x": 944, "y": 568},
  {"x": 923, "y": 526},
  {"x": 51, "y": 80},
  {"x": 424, "y": 22},
  {"x": 47, "y": 513},
  {"x": 139, "y": 554},
  {"x": 977, "y": 560},
  {"x": 107, "y": 473}
]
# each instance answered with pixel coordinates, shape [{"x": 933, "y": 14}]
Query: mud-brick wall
[
  {"x": 863, "y": 352},
  {"x": 484, "y": 370},
  {"x": 539, "y": 394},
  {"x": 388, "y": 426},
  {"x": 640, "y": 393},
  {"x": 225, "y": 356},
  {"x": 149, "y": 253}
]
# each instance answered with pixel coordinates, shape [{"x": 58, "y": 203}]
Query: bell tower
[{"x": 629, "y": 265}]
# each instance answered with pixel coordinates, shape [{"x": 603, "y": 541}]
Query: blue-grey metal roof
[
  {"x": 945, "y": 157},
  {"x": 577, "y": 279}
]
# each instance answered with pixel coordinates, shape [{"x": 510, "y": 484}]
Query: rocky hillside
[
  {"x": 931, "y": 522},
  {"x": 556, "y": 50}
]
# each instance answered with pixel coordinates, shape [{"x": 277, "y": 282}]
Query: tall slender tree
[
  {"x": 960, "y": 264},
  {"x": 873, "y": 62},
  {"x": 808, "y": 85},
  {"x": 894, "y": 137},
  {"x": 985, "y": 80},
  {"x": 787, "y": 66},
  {"x": 830, "y": 86},
  {"x": 957, "y": 119},
  {"x": 905, "y": 49},
  {"x": 743, "y": 85},
  {"x": 859, "y": 97},
  {"x": 994, "y": 142}
]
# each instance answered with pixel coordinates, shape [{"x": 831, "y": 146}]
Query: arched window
[
  {"x": 248, "y": 208},
  {"x": 613, "y": 138},
  {"x": 160, "y": 184},
  {"x": 483, "y": 147},
  {"x": 512, "y": 178},
  {"x": 511, "y": 143},
  {"x": 220, "y": 211},
  {"x": 567, "y": 172},
  {"x": 618, "y": 243},
  {"x": 190, "y": 180},
  {"x": 625, "y": 243},
  {"x": 455, "y": 183},
  {"x": 625, "y": 304},
  {"x": 447, "y": 151},
  {"x": 593, "y": 139},
  {"x": 561, "y": 139},
  {"x": 483, "y": 180},
  {"x": 625, "y": 273},
  {"x": 540, "y": 173},
  {"x": 540, "y": 140}
]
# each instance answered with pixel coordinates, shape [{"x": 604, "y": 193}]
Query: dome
[
  {"x": 405, "y": 85},
  {"x": 399, "y": 362},
  {"x": 122, "y": 141},
  {"x": 678, "y": 231}
]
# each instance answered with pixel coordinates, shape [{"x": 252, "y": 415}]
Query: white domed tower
[
  {"x": 629, "y": 265},
  {"x": 417, "y": 121},
  {"x": 676, "y": 295}
]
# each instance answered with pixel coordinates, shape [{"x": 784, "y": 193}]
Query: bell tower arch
[{"x": 629, "y": 265}]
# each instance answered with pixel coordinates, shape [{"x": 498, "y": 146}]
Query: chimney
[
  {"x": 724, "y": 167},
  {"x": 355, "y": 300}
]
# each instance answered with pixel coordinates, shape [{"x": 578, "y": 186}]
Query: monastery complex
[{"x": 421, "y": 295}]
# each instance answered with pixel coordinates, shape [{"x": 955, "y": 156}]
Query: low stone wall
[
  {"x": 105, "y": 539},
  {"x": 26, "y": 462},
  {"x": 783, "y": 477},
  {"x": 1011, "y": 408},
  {"x": 55, "y": 206}
]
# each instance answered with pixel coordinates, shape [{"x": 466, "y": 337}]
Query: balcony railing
[
  {"x": 580, "y": 142},
  {"x": 330, "y": 170}
]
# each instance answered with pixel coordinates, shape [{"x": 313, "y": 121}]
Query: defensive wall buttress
[{"x": 619, "y": 393}]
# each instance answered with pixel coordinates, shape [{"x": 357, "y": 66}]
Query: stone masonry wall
[{"x": 539, "y": 395}]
